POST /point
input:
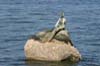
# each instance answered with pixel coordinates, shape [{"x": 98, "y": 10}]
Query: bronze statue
[{"x": 58, "y": 32}]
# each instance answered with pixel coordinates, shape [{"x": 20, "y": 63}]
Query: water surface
[{"x": 21, "y": 18}]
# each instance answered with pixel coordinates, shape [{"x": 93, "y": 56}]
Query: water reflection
[{"x": 49, "y": 63}]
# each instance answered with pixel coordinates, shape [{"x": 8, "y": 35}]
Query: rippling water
[{"x": 21, "y": 18}]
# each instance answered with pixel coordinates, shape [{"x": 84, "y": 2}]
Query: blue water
[{"x": 21, "y": 18}]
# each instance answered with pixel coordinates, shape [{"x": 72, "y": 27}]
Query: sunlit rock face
[{"x": 50, "y": 51}]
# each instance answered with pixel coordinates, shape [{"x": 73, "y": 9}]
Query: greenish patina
[
  {"x": 60, "y": 25},
  {"x": 58, "y": 32}
]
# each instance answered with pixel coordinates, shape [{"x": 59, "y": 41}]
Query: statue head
[{"x": 62, "y": 15}]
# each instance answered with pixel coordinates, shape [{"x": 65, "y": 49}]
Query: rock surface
[
  {"x": 50, "y": 51},
  {"x": 52, "y": 45}
]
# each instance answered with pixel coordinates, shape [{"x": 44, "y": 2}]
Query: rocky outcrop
[
  {"x": 52, "y": 45},
  {"x": 50, "y": 51}
]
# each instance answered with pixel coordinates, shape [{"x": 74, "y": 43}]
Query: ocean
[{"x": 20, "y": 19}]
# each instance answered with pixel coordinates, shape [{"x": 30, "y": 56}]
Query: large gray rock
[
  {"x": 52, "y": 45},
  {"x": 50, "y": 51}
]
